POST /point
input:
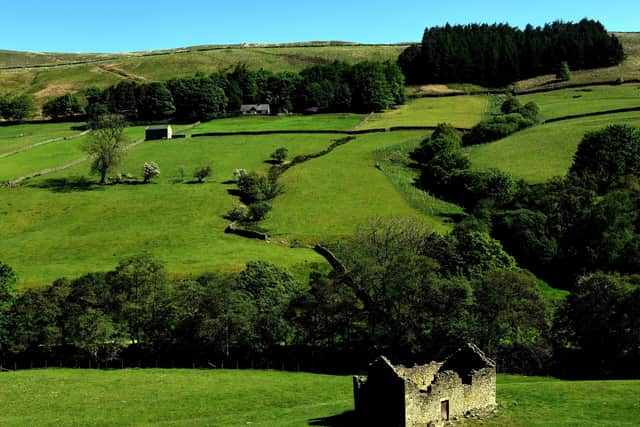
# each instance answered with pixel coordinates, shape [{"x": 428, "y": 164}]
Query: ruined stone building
[{"x": 427, "y": 395}]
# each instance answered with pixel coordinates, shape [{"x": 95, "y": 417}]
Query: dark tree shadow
[
  {"x": 272, "y": 162},
  {"x": 229, "y": 182},
  {"x": 67, "y": 185},
  {"x": 234, "y": 192},
  {"x": 346, "y": 419}
]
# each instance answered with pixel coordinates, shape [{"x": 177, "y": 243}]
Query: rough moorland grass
[
  {"x": 261, "y": 123},
  {"x": 274, "y": 59},
  {"x": 568, "y": 102},
  {"x": 542, "y": 152},
  {"x": 49, "y": 82},
  {"x": 19, "y": 136},
  {"x": 50, "y": 155},
  {"x": 327, "y": 197},
  {"x": 65, "y": 397},
  {"x": 460, "y": 111},
  {"x": 628, "y": 70},
  {"x": 57, "y": 225}
]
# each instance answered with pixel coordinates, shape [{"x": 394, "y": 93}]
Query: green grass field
[
  {"x": 50, "y": 155},
  {"x": 66, "y": 397},
  {"x": 568, "y": 102},
  {"x": 328, "y": 197},
  {"x": 344, "y": 121},
  {"x": 460, "y": 111},
  {"x": 542, "y": 152},
  {"x": 16, "y": 137},
  {"x": 56, "y": 225}
]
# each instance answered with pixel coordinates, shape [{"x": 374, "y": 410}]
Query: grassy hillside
[
  {"x": 567, "y": 102},
  {"x": 62, "y": 224},
  {"x": 64, "y": 397},
  {"x": 328, "y": 197},
  {"x": 262, "y": 123},
  {"x": 541, "y": 152},
  {"x": 20, "y": 136},
  {"x": 45, "y": 82},
  {"x": 460, "y": 111},
  {"x": 628, "y": 70}
]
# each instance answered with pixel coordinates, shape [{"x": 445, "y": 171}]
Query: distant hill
[{"x": 45, "y": 75}]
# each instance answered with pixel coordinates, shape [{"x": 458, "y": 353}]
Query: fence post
[
  {"x": 172, "y": 364},
  {"x": 46, "y": 363}
]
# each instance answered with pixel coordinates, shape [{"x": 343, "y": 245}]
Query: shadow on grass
[
  {"x": 346, "y": 419},
  {"x": 67, "y": 185}
]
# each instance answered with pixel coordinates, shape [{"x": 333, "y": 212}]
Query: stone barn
[
  {"x": 158, "y": 132},
  {"x": 427, "y": 395},
  {"x": 255, "y": 109}
]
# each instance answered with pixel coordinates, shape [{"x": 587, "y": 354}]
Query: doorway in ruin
[{"x": 444, "y": 410}]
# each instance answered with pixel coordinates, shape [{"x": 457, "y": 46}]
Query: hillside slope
[{"x": 48, "y": 75}]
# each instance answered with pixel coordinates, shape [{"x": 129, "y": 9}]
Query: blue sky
[{"x": 119, "y": 25}]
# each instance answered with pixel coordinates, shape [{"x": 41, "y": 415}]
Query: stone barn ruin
[{"x": 427, "y": 395}]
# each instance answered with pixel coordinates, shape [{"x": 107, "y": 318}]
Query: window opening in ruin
[{"x": 444, "y": 410}]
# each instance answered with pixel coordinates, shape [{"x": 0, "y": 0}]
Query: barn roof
[{"x": 158, "y": 127}]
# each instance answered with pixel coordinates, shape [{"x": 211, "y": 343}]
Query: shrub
[
  {"x": 564, "y": 73},
  {"x": 239, "y": 173},
  {"x": 510, "y": 105},
  {"x": 280, "y": 155},
  {"x": 496, "y": 128},
  {"x": 150, "y": 170},
  {"x": 238, "y": 213},
  {"x": 255, "y": 187},
  {"x": 202, "y": 172},
  {"x": 258, "y": 210}
]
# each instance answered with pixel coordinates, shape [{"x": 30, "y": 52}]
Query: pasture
[
  {"x": 64, "y": 397},
  {"x": 544, "y": 151},
  {"x": 568, "y": 102},
  {"x": 327, "y": 197},
  {"x": 460, "y": 111},
  {"x": 340, "y": 121},
  {"x": 17, "y": 137},
  {"x": 64, "y": 224},
  {"x": 50, "y": 155}
]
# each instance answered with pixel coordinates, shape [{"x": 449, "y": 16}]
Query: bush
[
  {"x": 150, "y": 170},
  {"x": 202, "y": 172},
  {"x": 280, "y": 155},
  {"x": 255, "y": 187},
  {"x": 564, "y": 73},
  {"x": 238, "y": 213},
  {"x": 239, "y": 173},
  {"x": 510, "y": 105},
  {"x": 496, "y": 128},
  {"x": 259, "y": 210}
]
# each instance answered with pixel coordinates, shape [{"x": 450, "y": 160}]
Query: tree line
[
  {"x": 406, "y": 292},
  {"x": 496, "y": 55},
  {"x": 336, "y": 87}
]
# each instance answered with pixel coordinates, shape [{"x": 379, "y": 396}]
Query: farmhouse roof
[
  {"x": 257, "y": 107},
  {"x": 158, "y": 127}
]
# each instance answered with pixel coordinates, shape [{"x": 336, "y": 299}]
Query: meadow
[
  {"x": 340, "y": 121},
  {"x": 327, "y": 197},
  {"x": 64, "y": 224},
  {"x": 65, "y": 397},
  {"x": 17, "y": 137},
  {"x": 460, "y": 111},
  {"x": 544, "y": 151},
  {"x": 568, "y": 102}
]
